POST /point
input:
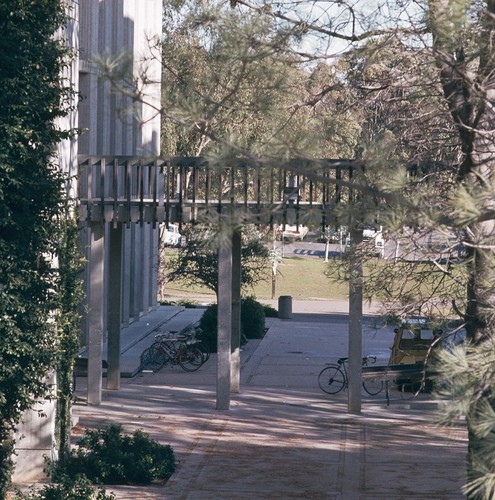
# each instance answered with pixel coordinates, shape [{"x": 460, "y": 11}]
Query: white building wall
[
  {"x": 127, "y": 30},
  {"x": 147, "y": 16},
  {"x": 34, "y": 440},
  {"x": 114, "y": 124}
]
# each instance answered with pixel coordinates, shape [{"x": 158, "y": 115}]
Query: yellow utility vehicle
[{"x": 413, "y": 340}]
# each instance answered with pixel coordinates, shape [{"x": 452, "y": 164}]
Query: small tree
[{"x": 197, "y": 262}]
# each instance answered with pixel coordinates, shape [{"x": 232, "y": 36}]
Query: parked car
[
  {"x": 293, "y": 232},
  {"x": 172, "y": 237}
]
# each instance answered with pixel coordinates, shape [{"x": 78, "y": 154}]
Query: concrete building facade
[{"x": 113, "y": 124}]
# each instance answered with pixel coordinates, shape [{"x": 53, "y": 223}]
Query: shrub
[
  {"x": 252, "y": 318},
  {"x": 252, "y": 322},
  {"x": 188, "y": 304},
  {"x": 79, "y": 488},
  {"x": 208, "y": 325},
  {"x": 270, "y": 312},
  {"x": 107, "y": 456}
]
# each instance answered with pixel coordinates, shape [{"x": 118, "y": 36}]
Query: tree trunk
[{"x": 471, "y": 102}]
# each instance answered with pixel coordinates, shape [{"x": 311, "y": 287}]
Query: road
[
  {"x": 312, "y": 248},
  {"x": 308, "y": 248}
]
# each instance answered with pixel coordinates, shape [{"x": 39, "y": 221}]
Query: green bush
[
  {"x": 79, "y": 488},
  {"x": 208, "y": 325},
  {"x": 252, "y": 322},
  {"x": 107, "y": 456},
  {"x": 188, "y": 304},
  {"x": 270, "y": 312},
  {"x": 252, "y": 318}
]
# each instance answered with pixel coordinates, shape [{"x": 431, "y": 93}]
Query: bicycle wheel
[
  {"x": 152, "y": 358},
  {"x": 408, "y": 389},
  {"x": 331, "y": 379},
  {"x": 373, "y": 386},
  {"x": 189, "y": 358},
  {"x": 204, "y": 349},
  {"x": 147, "y": 362}
]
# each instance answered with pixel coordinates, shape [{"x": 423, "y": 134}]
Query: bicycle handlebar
[{"x": 175, "y": 335}]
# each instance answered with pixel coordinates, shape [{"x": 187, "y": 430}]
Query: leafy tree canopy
[
  {"x": 196, "y": 263},
  {"x": 232, "y": 85}
]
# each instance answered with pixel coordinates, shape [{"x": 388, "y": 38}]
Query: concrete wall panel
[{"x": 34, "y": 440}]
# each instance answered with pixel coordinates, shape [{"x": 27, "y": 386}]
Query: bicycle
[
  {"x": 334, "y": 378},
  {"x": 196, "y": 334},
  {"x": 180, "y": 351}
]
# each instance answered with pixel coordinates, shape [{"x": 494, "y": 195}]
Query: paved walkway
[{"x": 282, "y": 437}]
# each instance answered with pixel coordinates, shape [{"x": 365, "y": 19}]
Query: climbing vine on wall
[
  {"x": 33, "y": 209},
  {"x": 70, "y": 297}
]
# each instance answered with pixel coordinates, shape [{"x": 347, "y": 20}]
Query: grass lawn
[
  {"x": 304, "y": 278},
  {"x": 301, "y": 277}
]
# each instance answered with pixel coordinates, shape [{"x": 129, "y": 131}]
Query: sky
[{"x": 356, "y": 16}]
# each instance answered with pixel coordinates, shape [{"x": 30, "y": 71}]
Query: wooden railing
[{"x": 129, "y": 189}]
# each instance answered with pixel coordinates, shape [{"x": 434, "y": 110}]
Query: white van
[
  {"x": 376, "y": 237},
  {"x": 374, "y": 240},
  {"x": 172, "y": 237}
]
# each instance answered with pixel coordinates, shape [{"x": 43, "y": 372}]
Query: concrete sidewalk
[{"x": 283, "y": 438}]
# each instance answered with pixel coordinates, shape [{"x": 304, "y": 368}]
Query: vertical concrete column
[
  {"x": 355, "y": 323},
  {"x": 224, "y": 325},
  {"x": 84, "y": 243},
  {"x": 146, "y": 265},
  {"x": 154, "y": 266},
  {"x": 114, "y": 307},
  {"x": 95, "y": 315},
  {"x": 126, "y": 275},
  {"x": 134, "y": 274},
  {"x": 106, "y": 267},
  {"x": 137, "y": 262},
  {"x": 138, "y": 271},
  {"x": 235, "y": 372}
]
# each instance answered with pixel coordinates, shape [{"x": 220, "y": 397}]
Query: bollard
[{"x": 285, "y": 307}]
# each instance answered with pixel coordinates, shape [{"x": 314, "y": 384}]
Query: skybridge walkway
[{"x": 127, "y": 189}]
